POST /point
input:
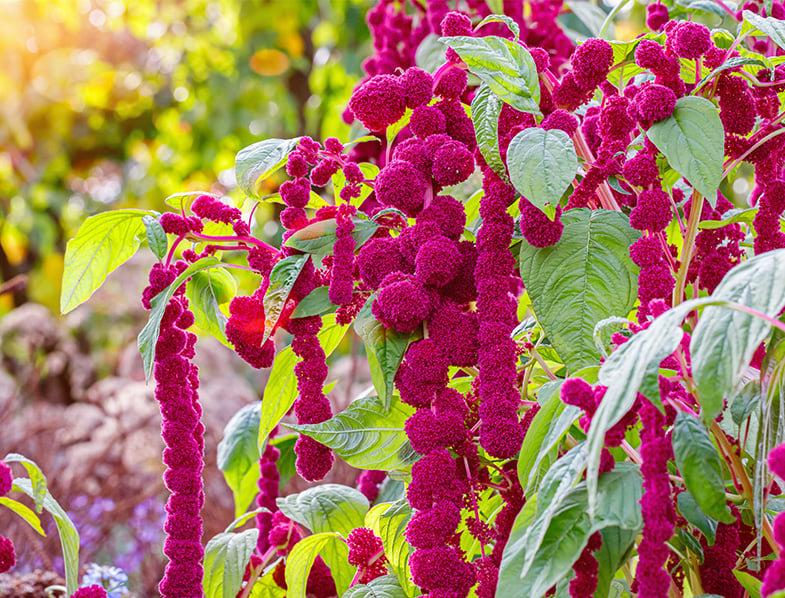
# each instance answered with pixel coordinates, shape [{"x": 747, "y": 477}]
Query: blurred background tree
[{"x": 107, "y": 103}]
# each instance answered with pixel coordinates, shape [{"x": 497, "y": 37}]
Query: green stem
[{"x": 696, "y": 208}]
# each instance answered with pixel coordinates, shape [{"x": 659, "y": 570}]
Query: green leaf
[
  {"x": 773, "y": 28},
  {"x": 303, "y": 555},
  {"x": 584, "y": 278},
  {"x": 390, "y": 527},
  {"x": 182, "y": 201},
  {"x": 281, "y": 390},
  {"x": 315, "y": 303},
  {"x": 149, "y": 335},
  {"x": 506, "y": 66},
  {"x": 282, "y": 278},
  {"x": 533, "y": 561},
  {"x": 486, "y": 108},
  {"x": 694, "y": 515},
  {"x": 37, "y": 478},
  {"x": 617, "y": 544},
  {"x": 319, "y": 237},
  {"x": 592, "y": 16},
  {"x": 724, "y": 340},
  {"x": 623, "y": 373},
  {"x": 547, "y": 428},
  {"x": 392, "y": 131},
  {"x": 225, "y": 559},
  {"x": 102, "y": 244},
  {"x": 69, "y": 537},
  {"x": 339, "y": 182},
  {"x": 501, "y": 18},
  {"x": 730, "y": 63},
  {"x": 244, "y": 518},
  {"x": 386, "y": 586},
  {"x": 238, "y": 455},
  {"x": 731, "y": 216},
  {"x": 206, "y": 291},
  {"x": 386, "y": 345},
  {"x": 367, "y": 435},
  {"x": 325, "y": 508},
  {"x": 255, "y": 163},
  {"x": 24, "y": 512},
  {"x": 156, "y": 237},
  {"x": 749, "y": 583},
  {"x": 693, "y": 141},
  {"x": 700, "y": 466}
]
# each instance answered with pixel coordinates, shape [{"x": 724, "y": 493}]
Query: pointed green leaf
[
  {"x": 693, "y": 141},
  {"x": 772, "y": 27},
  {"x": 502, "y": 18},
  {"x": 282, "y": 278},
  {"x": 303, "y": 555},
  {"x": 281, "y": 390},
  {"x": 532, "y": 561},
  {"x": 24, "y": 512},
  {"x": 694, "y": 515},
  {"x": 386, "y": 586},
  {"x": 700, "y": 466},
  {"x": 506, "y": 66},
  {"x": 367, "y": 435},
  {"x": 542, "y": 165},
  {"x": 328, "y": 507},
  {"x": 258, "y": 161},
  {"x": 385, "y": 345},
  {"x": 390, "y": 527},
  {"x": 206, "y": 291},
  {"x": 69, "y": 537},
  {"x": 319, "y": 237},
  {"x": 486, "y": 108},
  {"x": 724, "y": 340},
  {"x": 102, "y": 244},
  {"x": 149, "y": 335},
  {"x": 584, "y": 278},
  {"x": 225, "y": 558},
  {"x": 156, "y": 237},
  {"x": 315, "y": 303},
  {"x": 37, "y": 478},
  {"x": 238, "y": 455}
]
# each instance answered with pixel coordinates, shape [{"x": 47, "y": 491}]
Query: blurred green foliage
[{"x": 108, "y": 104}]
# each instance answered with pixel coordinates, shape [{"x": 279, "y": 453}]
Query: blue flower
[{"x": 112, "y": 579}]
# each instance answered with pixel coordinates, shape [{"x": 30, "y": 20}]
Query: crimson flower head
[
  {"x": 653, "y": 211},
  {"x": 537, "y": 228},
  {"x": 367, "y": 553},
  {"x": 692, "y": 39},
  {"x": 245, "y": 330},
  {"x": 379, "y": 102},
  {"x": 427, "y": 121},
  {"x": 6, "y": 478},
  {"x": 416, "y": 85},
  {"x": 654, "y": 103},
  {"x": 451, "y": 84},
  {"x": 452, "y": 163},
  {"x": 7, "y": 554},
  {"x": 591, "y": 62},
  {"x": 401, "y": 303},
  {"x": 93, "y": 591},
  {"x": 400, "y": 185},
  {"x": 656, "y": 16}
]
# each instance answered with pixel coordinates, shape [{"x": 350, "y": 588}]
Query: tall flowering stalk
[{"x": 176, "y": 390}]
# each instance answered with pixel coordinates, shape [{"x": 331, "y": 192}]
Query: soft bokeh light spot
[{"x": 269, "y": 62}]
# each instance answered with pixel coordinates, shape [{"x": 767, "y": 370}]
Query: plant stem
[
  {"x": 741, "y": 474},
  {"x": 696, "y": 208}
]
